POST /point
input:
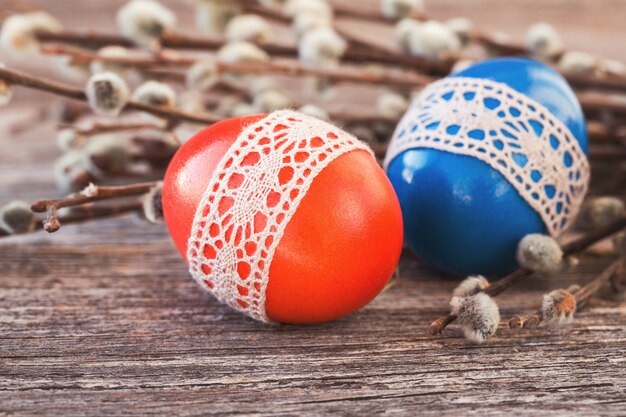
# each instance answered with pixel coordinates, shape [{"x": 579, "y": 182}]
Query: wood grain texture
[{"x": 103, "y": 319}]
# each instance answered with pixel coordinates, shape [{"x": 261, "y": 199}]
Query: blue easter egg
[{"x": 461, "y": 215}]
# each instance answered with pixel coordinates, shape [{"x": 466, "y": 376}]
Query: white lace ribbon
[
  {"x": 511, "y": 132},
  {"x": 250, "y": 199}
]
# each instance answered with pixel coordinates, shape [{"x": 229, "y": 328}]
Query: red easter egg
[{"x": 339, "y": 248}]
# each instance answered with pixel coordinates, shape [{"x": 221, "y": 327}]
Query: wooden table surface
[{"x": 103, "y": 318}]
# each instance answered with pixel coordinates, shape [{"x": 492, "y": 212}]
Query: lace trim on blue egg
[{"x": 508, "y": 130}]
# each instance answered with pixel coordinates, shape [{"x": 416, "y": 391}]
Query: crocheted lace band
[
  {"x": 511, "y": 132},
  {"x": 251, "y": 198}
]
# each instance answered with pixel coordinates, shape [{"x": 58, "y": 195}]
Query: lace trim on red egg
[
  {"x": 251, "y": 197},
  {"x": 511, "y": 132}
]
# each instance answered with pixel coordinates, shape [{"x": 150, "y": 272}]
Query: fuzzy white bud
[
  {"x": 433, "y": 40},
  {"x": 304, "y": 22},
  {"x": 470, "y": 286},
  {"x": 539, "y": 253},
  {"x": 462, "y": 27},
  {"x": 398, "y": 9},
  {"x": 542, "y": 39},
  {"x": 69, "y": 70},
  {"x": 106, "y": 154},
  {"x": 107, "y": 93},
  {"x": 600, "y": 212},
  {"x": 261, "y": 84},
  {"x": 612, "y": 67},
  {"x": 242, "y": 109},
  {"x": 576, "y": 61},
  {"x": 292, "y": 8},
  {"x": 144, "y": 21},
  {"x": 619, "y": 243},
  {"x": 478, "y": 315},
  {"x": 212, "y": 16},
  {"x": 391, "y": 104},
  {"x": 202, "y": 75},
  {"x": 558, "y": 306},
  {"x": 321, "y": 48},
  {"x": 111, "y": 51},
  {"x": 19, "y": 31},
  {"x": 69, "y": 138},
  {"x": 249, "y": 27},
  {"x": 16, "y": 217},
  {"x": 155, "y": 93},
  {"x": 402, "y": 33},
  {"x": 153, "y": 205},
  {"x": 314, "y": 111},
  {"x": 70, "y": 172},
  {"x": 241, "y": 52},
  {"x": 191, "y": 102},
  {"x": 270, "y": 100}
]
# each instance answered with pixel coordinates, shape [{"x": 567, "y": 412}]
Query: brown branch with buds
[
  {"x": 92, "y": 193},
  {"x": 354, "y": 54},
  {"x": 87, "y": 213},
  {"x": 386, "y": 78},
  {"x": 590, "y": 102},
  {"x": 64, "y": 90},
  {"x": 574, "y": 246},
  {"x": 582, "y": 296}
]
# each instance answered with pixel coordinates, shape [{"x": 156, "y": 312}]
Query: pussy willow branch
[
  {"x": 495, "y": 43},
  {"x": 353, "y": 54},
  {"x": 272, "y": 14},
  {"x": 591, "y": 102},
  {"x": 582, "y": 296},
  {"x": 88, "y": 213},
  {"x": 534, "y": 320},
  {"x": 244, "y": 93},
  {"x": 505, "y": 47},
  {"x": 357, "y": 54},
  {"x": 175, "y": 116},
  {"x": 90, "y": 194},
  {"x": 42, "y": 84},
  {"x": 339, "y": 75},
  {"x": 574, "y": 246}
]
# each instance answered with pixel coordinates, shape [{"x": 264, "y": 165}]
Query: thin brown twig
[
  {"x": 584, "y": 241},
  {"x": 602, "y": 101},
  {"x": 90, "y": 194},
  {"x": 582, "y": 297},
  {"x": 88, "y": 213},
  {"x": 585, "y": 293}
]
